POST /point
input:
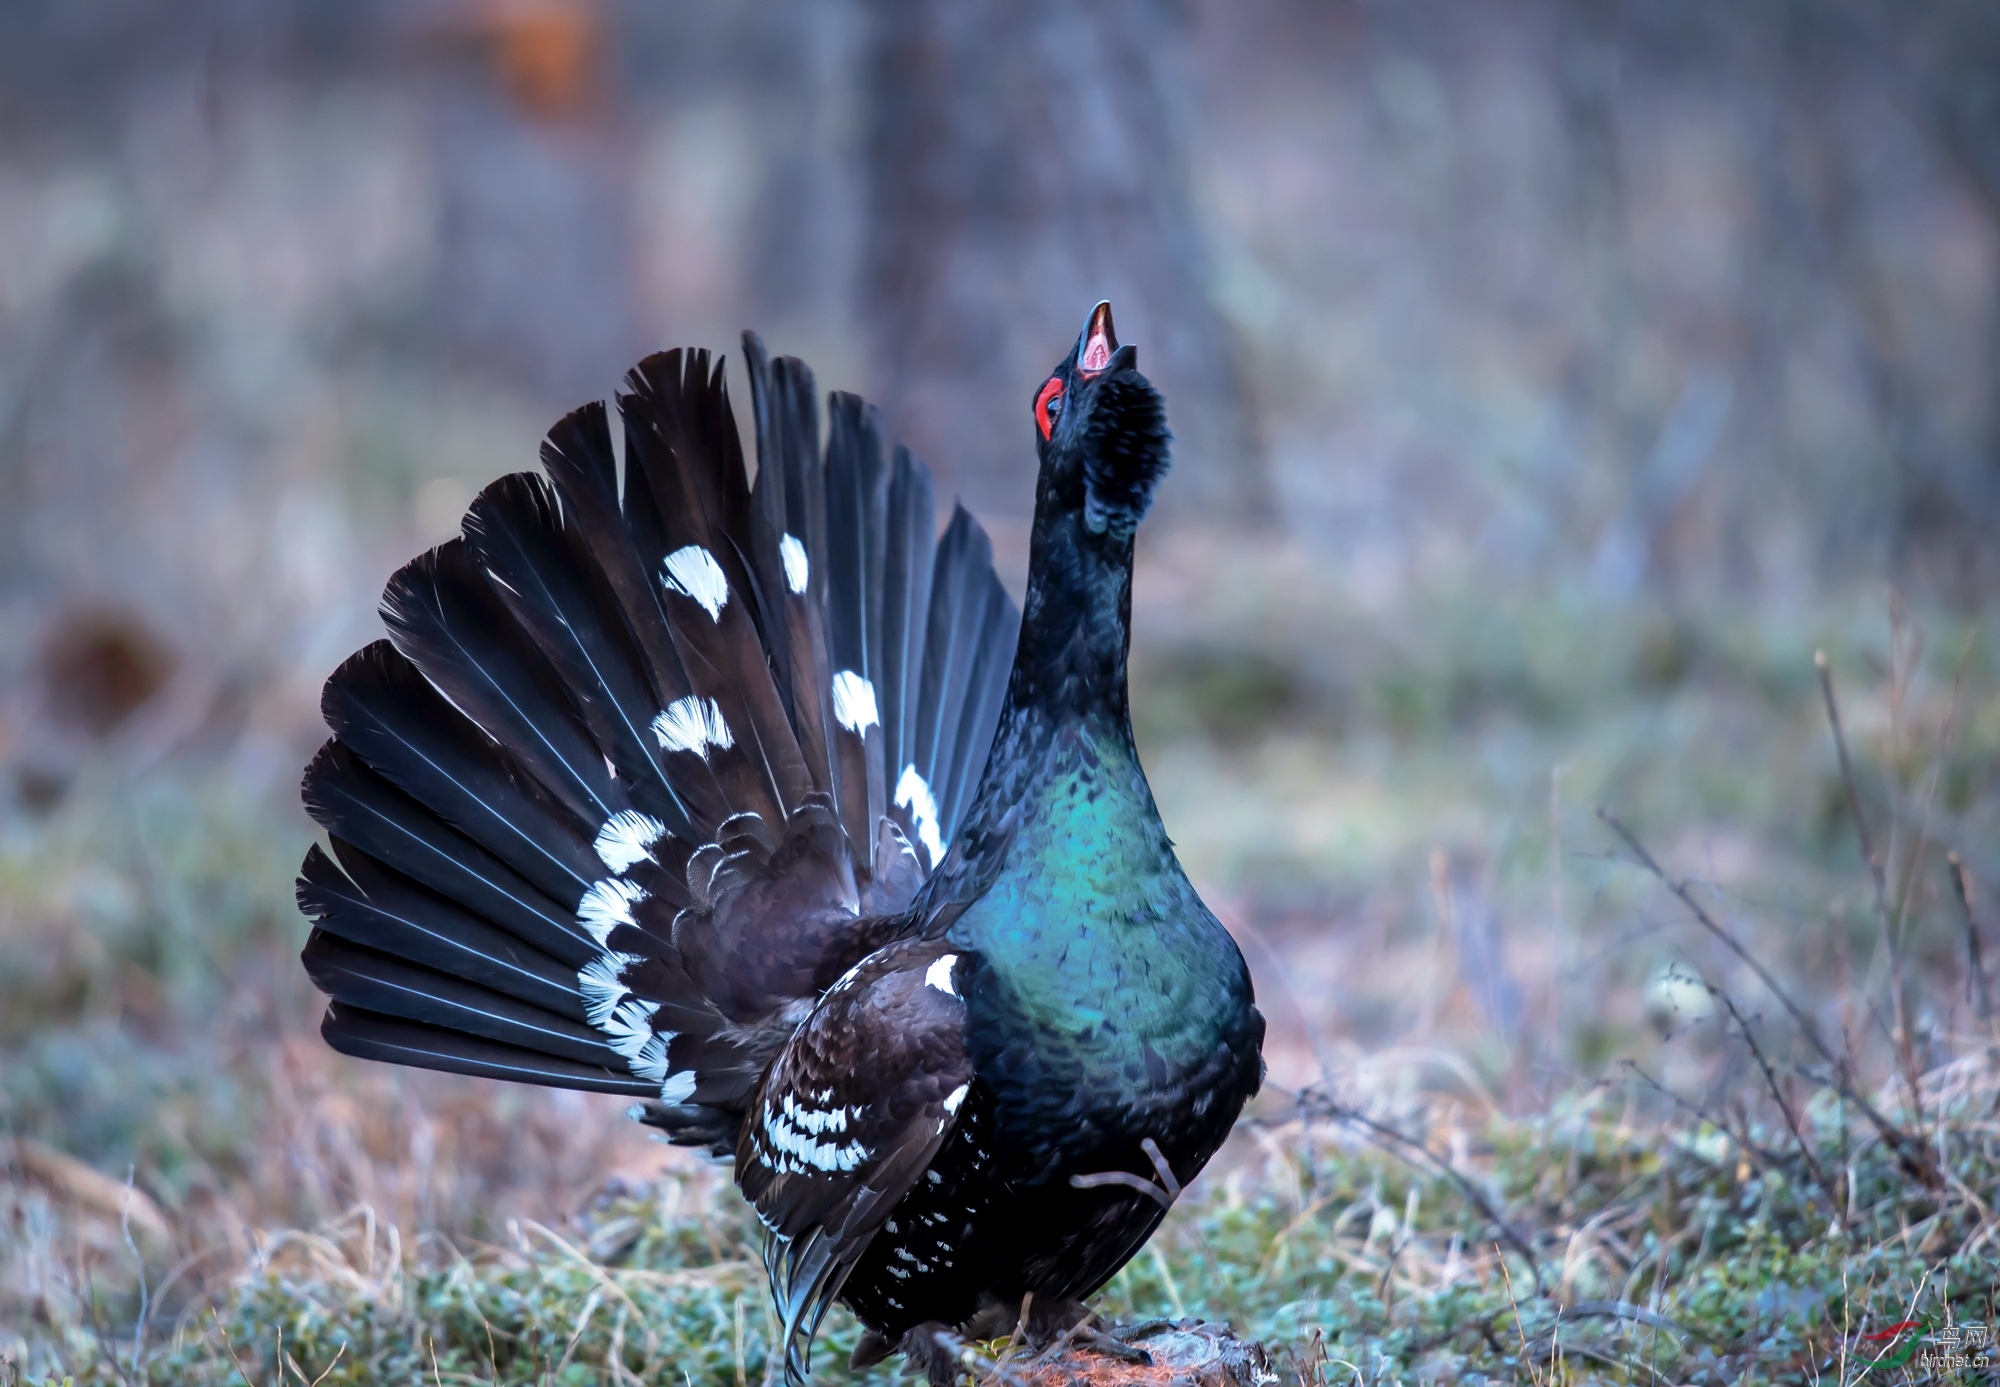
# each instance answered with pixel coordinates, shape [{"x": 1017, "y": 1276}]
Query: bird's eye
[{"x": 1048, "y": 406}]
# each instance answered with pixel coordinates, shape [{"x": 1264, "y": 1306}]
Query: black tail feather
[
  {"x": 379, "y": 704},
  {"x": 545, "y": 579},
  {"x": 630, "y": 782},
  {"x": 909, "y": 543},
  {"x": 372, "y": 905},
  {"x": 996, "y": 629},
  {"x": 372, "y": 1036},
  {"x": 378, "y": 982},
  {"x": 967, "y": 657},
  {"x": 681, "y": 440},
  {"x": 447, "y": 618},
  {"x": 856, "y": 519},
  {"x": 350, "y": 801},
  {"x": 577, "y": 456}
]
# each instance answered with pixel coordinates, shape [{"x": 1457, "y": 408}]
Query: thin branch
[
  {"x": 1762, "y": 1159},
  {"x": 1910, "y": 1153},
  {"x": 1973, "y": 956},
  {"x": 1167, "y": 1177},
  {"x": 145, "y": 1291},
  {"x": 1125, "y": 1179},
  {"x": 1904, "y": 1050},
  {"x": 1389, "y": 1139},
  {"x": 1777, "y": 1095}
]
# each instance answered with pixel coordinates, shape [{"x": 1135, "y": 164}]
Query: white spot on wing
[
  {"x": 938, "y": 975},
  {"x": 955, "y": 1097},
  {"x": 693, "y": 572},
  {"x": 626, "y": 836},
  {"x": 677, "y": 1088},
  {"x": 607, "y": 905},
  {"x": 798, "y": 571},
  {"x": 914, "y": 794},
  {"x": 854, "y": 702},
  {"x": 693, "y": 724},
  {"x": 785, "y": 1137},
  {"x": 816, "y": 1120}
]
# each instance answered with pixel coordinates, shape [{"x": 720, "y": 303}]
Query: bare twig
[
  {"x": 1777, "y": 1095},
  {"x": 1906, "y": 882},
  {"x": 1619, "y": 1310},
  {"x": 1976, "y": 962},
  {"x": 1762, "y": 1159},
  {"x": 1910, "y": 1152},
  {"x": 230, "y": 1349},
  {"x": 1168, "y": 1179},
  {"x": 139, "y": 1263},
  {"x": 1391, "y": 1139},
  {"x": 1125, "y": 1178},
  {"x": 1904, "y": 1050}
]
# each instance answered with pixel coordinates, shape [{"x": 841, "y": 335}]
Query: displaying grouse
[{"x": 745, "y": 800}]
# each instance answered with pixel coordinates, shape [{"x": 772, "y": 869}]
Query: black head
[{"x": 1103, "y": 432}]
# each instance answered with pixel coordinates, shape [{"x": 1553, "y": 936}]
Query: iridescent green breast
[{"x": 1090, "y": 934}]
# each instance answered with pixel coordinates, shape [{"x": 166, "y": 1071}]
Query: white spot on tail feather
[
  {"x": 938, "y": 975},
  {"x": 913, "y": 793},
  {"x": 630, "y": 1025},
  {"x": 693, "y": 572},
  {"x": 649, "y": 1061},
  {"x": 607, "y": 905},
  {"x": 602, "y": 987},
  {"x": 693, "y": 724},
  {"x": 677, "y": 1088},
  {"x": 626, "y": 837},
  {"x": 798, "y": 570},
  {"x": 854, "y": 703}
]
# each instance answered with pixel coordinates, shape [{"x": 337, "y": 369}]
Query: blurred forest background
[{"x": 1551, "y": 378}]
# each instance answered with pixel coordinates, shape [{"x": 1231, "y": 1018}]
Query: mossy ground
[
  {"x": 1392, "y": 810},
  {"x": 1661, "y": 1254}
]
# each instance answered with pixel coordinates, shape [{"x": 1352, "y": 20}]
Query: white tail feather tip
[{"x": 626, "y": 837}]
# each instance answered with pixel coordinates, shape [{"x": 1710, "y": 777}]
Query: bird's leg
[{"x": 932, "y": 1348}]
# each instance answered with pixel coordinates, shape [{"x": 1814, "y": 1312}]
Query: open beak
[{"x": 1099, "y": 342}]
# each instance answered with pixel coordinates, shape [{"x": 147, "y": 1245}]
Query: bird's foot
[
  {"x": 929, "y": 1348},
  {"x": 1056, "y": 1326},
  {"x": 1109, "y": 1345}
]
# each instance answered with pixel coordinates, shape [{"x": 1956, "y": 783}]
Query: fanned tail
[{"x": 652, "y": 753}]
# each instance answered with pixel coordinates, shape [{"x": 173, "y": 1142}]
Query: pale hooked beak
[{"x": 1099, "y": 341}]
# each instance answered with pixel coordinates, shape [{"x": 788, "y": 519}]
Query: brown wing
[{"x": 850, "y": 1117}]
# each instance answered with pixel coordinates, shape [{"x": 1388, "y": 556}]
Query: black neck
[{"x": 1077, "y": 625}]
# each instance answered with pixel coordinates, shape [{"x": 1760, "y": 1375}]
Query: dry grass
[
  {"x": 1671, "y": 1248},
  {"x": 1450, "y": 946}
]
